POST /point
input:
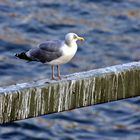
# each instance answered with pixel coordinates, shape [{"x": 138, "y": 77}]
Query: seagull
[{"x": 53, "y": 52}]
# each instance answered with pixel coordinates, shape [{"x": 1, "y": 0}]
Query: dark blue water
[{"x": 112, "y": 32}]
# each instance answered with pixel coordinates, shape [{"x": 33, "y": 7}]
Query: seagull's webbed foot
[
  {"x": 59, "y": 78},
  {"x": 53, "y": 78}
]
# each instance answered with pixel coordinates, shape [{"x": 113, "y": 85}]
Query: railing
[{"x": 42, "y": 97}]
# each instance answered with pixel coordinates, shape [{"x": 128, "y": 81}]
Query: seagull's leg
[
  {"x": 58, "y": 72},
  {"x": 52, "y": 72}
]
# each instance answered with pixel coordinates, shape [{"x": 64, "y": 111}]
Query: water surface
[{"x": 112, "y": 32}]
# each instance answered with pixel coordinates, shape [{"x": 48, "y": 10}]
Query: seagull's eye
[{"x": 74, "y": 37}]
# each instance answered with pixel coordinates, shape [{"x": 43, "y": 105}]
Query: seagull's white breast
[{"x": 68, "y": 53}]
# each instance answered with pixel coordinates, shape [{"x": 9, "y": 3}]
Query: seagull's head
[{"x": 71, "y": 38}]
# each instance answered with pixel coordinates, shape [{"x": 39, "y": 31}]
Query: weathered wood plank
[{"x": 27, "y": 100}]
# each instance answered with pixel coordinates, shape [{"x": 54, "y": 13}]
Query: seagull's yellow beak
[{"x": 80, "y": 38}]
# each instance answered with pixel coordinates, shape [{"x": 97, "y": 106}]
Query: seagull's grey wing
[
  {"x": 46, "y": 51},
  {"x": 51, "y": 46},
  {"x": 43, "y": 56}
]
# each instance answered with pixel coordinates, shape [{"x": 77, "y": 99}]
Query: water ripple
[{"x": 111, "y": 29}]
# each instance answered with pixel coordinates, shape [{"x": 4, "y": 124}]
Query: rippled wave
[{"x": 111, "y": 29}]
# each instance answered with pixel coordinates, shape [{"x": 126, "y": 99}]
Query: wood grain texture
[{"x": 33, "y": 99}]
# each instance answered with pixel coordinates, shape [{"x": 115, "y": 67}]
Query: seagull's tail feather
[{"x": 23, "y": 56}]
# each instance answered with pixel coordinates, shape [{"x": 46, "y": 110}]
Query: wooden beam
[{"x": 42, "y": 97}]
